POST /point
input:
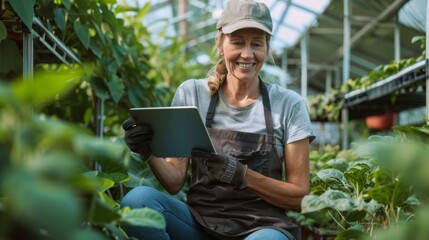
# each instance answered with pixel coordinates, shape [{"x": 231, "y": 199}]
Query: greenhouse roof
[
  {"x": 374, "y": 26},
  {"x": 290, "y": 18}
]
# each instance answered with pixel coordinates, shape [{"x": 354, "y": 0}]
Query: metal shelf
[
  {"x": 51, "y": 42},
  {"x": 381, "y": 105},
  {"x": 406, "y": 77}
]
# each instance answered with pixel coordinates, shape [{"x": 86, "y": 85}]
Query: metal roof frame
[{"x": 372, "y": 23}]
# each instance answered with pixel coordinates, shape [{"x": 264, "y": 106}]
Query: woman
[{"x": 261, "y": 132}]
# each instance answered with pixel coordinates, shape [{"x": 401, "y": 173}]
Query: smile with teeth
[{"x": 245, "y": 64}]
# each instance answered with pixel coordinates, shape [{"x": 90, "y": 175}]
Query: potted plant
[{"x": 381, "y": 122}]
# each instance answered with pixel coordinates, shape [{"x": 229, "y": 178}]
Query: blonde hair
[{"x": 218, "y": 72}]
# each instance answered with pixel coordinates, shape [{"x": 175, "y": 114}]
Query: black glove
[
  {"x": 138, "y": 137},
  {"x": 223, "y": 167}
]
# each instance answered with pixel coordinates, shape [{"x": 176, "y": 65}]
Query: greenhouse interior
[{"x": 71, "y": 70}]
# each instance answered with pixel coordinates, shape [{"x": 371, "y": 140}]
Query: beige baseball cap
[{"x": 240, "y": 14}]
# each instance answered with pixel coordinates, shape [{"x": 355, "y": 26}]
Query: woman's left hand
[{"x": 223, "y": 167}]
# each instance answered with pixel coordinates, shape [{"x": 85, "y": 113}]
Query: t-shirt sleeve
[
  {"x": 298, "y": 124},
  {"x": 185, "y": 94},
  {"x": 179, "y": 97}
]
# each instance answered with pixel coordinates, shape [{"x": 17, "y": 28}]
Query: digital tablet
[{"x": 177, "y": 130}]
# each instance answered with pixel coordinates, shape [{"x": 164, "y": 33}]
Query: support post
[
  {"x": 28, "y": 55},
  {"x": 304, "y": 65},
  {"x": 427, "y": 60},
  {"x": 346, "y": 70},
  {"x": 328, "y": 83},
  {"x": 397, "y": 39}
]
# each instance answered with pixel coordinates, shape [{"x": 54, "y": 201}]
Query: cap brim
[{"x": 244, "y": 24}]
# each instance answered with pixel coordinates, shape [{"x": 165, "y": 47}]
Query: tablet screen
[{"x": 177, "y": 130}]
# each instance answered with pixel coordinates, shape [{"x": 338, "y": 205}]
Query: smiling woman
[
  {"x": 259, "y": 131},
  {"x": 244, "y": 52}
]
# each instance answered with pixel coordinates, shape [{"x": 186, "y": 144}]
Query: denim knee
[
  {"x": 267, "y": 233},
  {"x": 142, "y": 196}
]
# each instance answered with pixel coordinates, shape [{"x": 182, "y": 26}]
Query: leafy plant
[
  {"x": 128, "y": 67},
  {"x": 357, "y": 191},
  {"x": 49, "y": 188}
]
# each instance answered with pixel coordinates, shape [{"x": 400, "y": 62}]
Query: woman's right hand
[{"x": 138, "y": 137}]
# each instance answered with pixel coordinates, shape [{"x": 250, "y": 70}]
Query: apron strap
[
  {"x": 267, "y": 108},
  {"x": 210, "y": 113},
  {"x": 265, "y": 101}
]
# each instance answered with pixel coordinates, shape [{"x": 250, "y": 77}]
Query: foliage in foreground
[{"x": 48, "y": 186}]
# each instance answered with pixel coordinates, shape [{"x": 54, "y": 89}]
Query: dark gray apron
[{"x": 225, "y": 211}]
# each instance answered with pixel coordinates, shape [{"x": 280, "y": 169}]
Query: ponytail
[{"x": 218, "y": 72}]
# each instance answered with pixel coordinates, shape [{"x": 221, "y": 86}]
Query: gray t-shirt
[{"x": 289, "y": 111}]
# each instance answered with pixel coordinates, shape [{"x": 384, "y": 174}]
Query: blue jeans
[{"x": 180, "y": 222}]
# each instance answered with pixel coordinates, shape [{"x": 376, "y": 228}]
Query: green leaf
[
  {"x": 312, "y": 203},
  {"x": 58, "y": 165},
  {"x": 46, "y": 202},
  {"x": 107, "y": 154},
  {"x": 60, "y": 17},
  {"x": 10, "y": 49},
  {"x": 135, "y": 96},
  {"x": 354, "y": 232},
  {"x": 333, "y": 178},
  {"x": 417, "y": 38},
  {"x": 118, "y": 52},
  {"x": 103, "y": 213},
  {"x": 95, "y": 49},
  {"x": 144, "y": 217},
  {"x": 383, "y": 139},
  {"x": 116, "y": 87},
  {"x": 86, "y": 233},
  {"x": 338, "y": 163},
  {"x": 25, "y": 11},
  {"x": 108, "y": 200},
  {"x": 66, "y": 3},
  {"x": 103, "y": 184},
  {"x": 105, "y": 181},
  {"x": 36, "y": 93},
  {"x": 3, "y": 31},
  {"x": 115, "y": 177},
  {"x": 357, "y": 175},
  {"x": 372, "y": 206},
  {"x": 6, "y": 96},
  {"x": 395, "y": 194},
  {"x": 143, "y": 11},
  {"x": 97, "y": 84},
  {"x": 82, "y": 32},
  {"x": 117, "y": 232},
  {"x": 122, "y": 9},
  {"x": 340, "y": 201},
  {"x": 109, "y": 1}
]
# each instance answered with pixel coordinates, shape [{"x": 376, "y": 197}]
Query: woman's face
[{"x": 244, "y": 52}]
